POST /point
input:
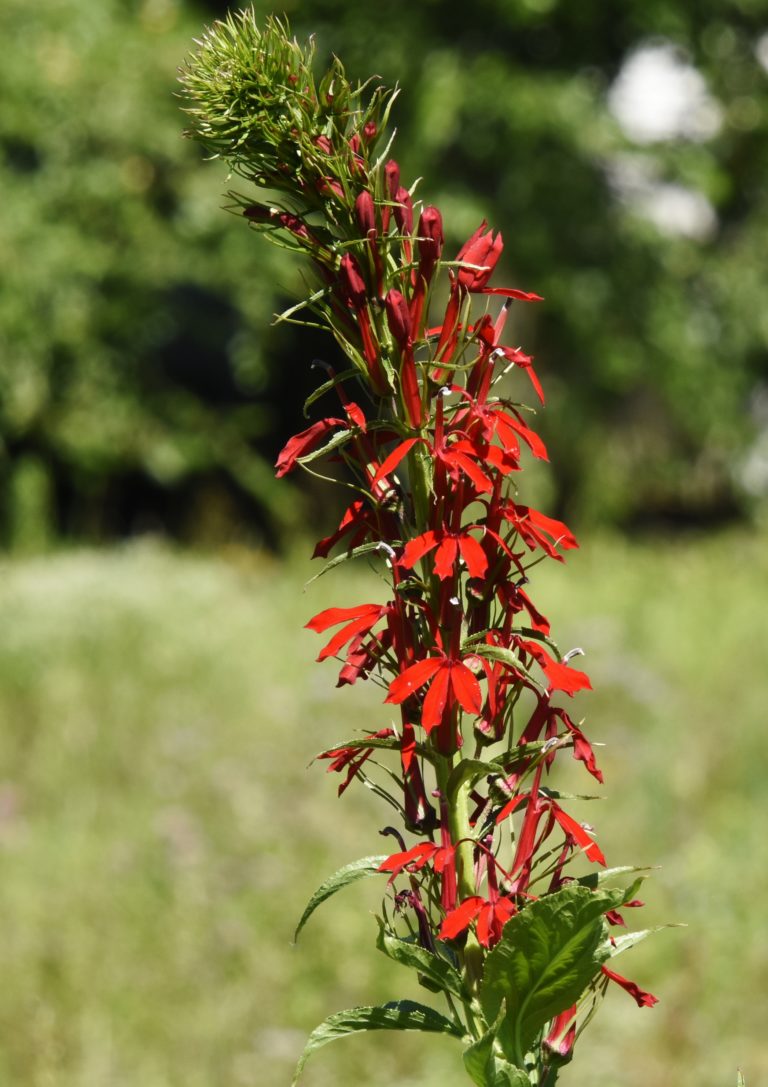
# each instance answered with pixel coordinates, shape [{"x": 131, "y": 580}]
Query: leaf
[
  {"x": 487, "y": 1069},
  {"x": 503, "y": 656},
  {"x": 337, "y": 379},
  {"x": 477, "y": 1060},
  {"x": 339, "y": 439},
  {"x": 360, "y": 743},
  {"x": 594, "y": 879},
  {"x": 362, "y": 549},
  {"x": 432, "y": 966},
  {"x": 630, "y": 939},
  {"x": 547, "y": 956},
  {"x": 350, "y": 873},
  {"x": 509, "y": 1075},
  {"x": 399, "y": 1015},
  {"x": 468, "y": 771}
]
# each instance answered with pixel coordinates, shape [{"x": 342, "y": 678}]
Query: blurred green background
[{"x": 159, "y": 834}]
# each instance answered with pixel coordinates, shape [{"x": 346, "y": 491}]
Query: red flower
[
  {"x": 560, "y": 1040},
  {"x": 415, "y": 858},
  {"x": 451, "y": 682},
  {"x": 483, "y": 251},
  {"x": 641, "y": 998},
  {"x": 359, "y": 620},
  {"x": 576, "y": 831},
  {"x": 301, "y": 444},
  {"x": 538, "y": 530},
  {"x": 560, "y": 676},
  {"x": 450, "y": 545},
  {"x": 491, "y": 915}
]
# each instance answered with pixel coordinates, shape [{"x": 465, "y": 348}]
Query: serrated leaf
[
  {"x": 594, "y": 879},
  {"x": 339, "y": 439},
  {"x": 399, "y": 1015},
  {"x": 627, "y": 940},
  {"x": 487, "y": 1069},
  {"x": 432, "y": 966},
  {"x": 350, "y": 873},
  {"x": 332, "y": 382},
  {"x": 509, "y": 1075},
  {"x": 353, "y": 553},
  {"x": 548, "y": 954},
  {"x": 478, "y": 1060},
  {"x": 503, "y": 656},
  {"x": 389, "y": 743},
  {"x": 500, "y": 654}
]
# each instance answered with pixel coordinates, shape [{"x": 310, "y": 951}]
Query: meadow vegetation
[{"x": 160, "y": 835}]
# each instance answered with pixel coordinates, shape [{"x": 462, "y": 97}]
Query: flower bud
[
  {"x": 398, "y": 317},
  {"x": 365, "y": 210},
  {"x": 392, "y": 174},
  {"x": 430, "y": 241},
  {"x": 403, "y": 211},
  {"x": 352, "y": 283}
]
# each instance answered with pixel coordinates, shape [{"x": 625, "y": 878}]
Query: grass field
[{"x": 160, "y": 833}]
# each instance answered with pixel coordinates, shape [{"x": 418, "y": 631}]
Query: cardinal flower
[
  {"x": 641, "y": 998},
  {"x": 448, "y": 547},
  {"x": 358, "y": 620},
  {"x": 480, "y": 255},
  {"x": 450, "y": 680}
]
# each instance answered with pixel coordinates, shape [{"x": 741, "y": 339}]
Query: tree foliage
[{"x": 137, "y": 385}]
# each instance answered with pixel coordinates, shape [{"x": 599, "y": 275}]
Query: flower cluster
[{"x": 431, "y": 432}]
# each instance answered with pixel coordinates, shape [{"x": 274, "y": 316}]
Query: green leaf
[
  {"x": 340, "y": 438},
  {"x": 468, "y": 771},
  {"x": 630, "y": 939},
  {"x": 332, "y": 382},
  {"x": 478, "y": 1060},
  {"x": 594, "y": 879},
  {"x": 353, "y": 553},
  {"x": 740, "y": 1079},
  {"x": 499, "y": 653},
  {"x": 503, "y": 656},
  {"x": 488, "y": 1069},
  {"x": 350, "y": 873},
  {"x": 432, "y": 967},
  {"x": 547, "y": 956},
  {"x": 509, "y": 1075},
  {"x": 399, "y": 1015}
]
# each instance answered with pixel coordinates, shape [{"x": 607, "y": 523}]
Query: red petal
[
  {"x": 436, "y": 698},
  {"x": 473, "y": 556},
  {"x": 355, "y": 414},
  {"x": 331, "y": 616},
  {"x": 347, "y": 633},
  {"x": 466, "y": 688},
  {"x": 510, "y": 292},
  {"x": 392, "y": 460},
  {"x": 468, "y": 466},
  {"x": 641, "y": 998},
  {"x": 511, "y": 806},
  {"x": 460, "y": 918},
  {"x": 416, "y": 549},
  {"x": 445, "y": 557},
  {"x": 412, "y": 678},
  {"x": 561, "y": 535},
  {"x": 591, "y": 849},
  {"x": 409, "y": 386},
  {"x": 303, "y": 443}
]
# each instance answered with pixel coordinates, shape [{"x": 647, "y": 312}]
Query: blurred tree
[
  {"x": 621, "y": 145},
  {"x": 133, "y": 311}
]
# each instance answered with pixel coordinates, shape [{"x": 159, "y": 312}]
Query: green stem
[{"x": 461, "y": 832}]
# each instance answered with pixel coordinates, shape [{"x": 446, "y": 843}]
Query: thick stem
[{"x": 461, "y": 833}]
